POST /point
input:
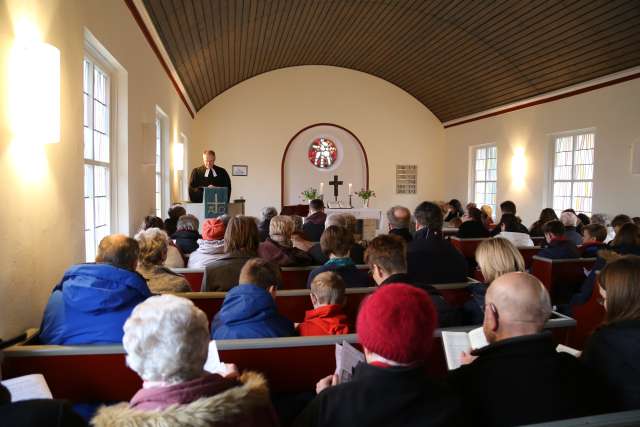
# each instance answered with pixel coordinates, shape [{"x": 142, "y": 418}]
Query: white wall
[
  {"x": 42, "y": 219},
  {"x": 252, "y": 123},
  {"x": 613, "y": 112}
]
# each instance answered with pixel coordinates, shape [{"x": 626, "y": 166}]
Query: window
[
  {"x": 97, "y": 153},
  {"x": 573, "y": 172},
  {"x": 485, "y": 181},
  {"x": 158, "y": 167}
]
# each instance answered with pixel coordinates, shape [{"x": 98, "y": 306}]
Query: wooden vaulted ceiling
[{"x": 458, "y": 57}]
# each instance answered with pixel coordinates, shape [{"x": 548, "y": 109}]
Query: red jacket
[{"x": 325, "y": 320}]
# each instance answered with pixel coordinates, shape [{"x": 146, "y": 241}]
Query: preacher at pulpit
[{"x": 208, "y": 175}]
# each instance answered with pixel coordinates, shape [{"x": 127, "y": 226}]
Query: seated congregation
[{"x": 132, "y": 295}]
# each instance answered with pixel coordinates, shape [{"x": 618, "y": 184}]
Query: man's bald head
[
  {"x": 522, "y": 305},
  {"x": 118, "y": 250}
]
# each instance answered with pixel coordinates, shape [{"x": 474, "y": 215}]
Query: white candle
[
  {"x": 321, "y": 187},
  {"x": 350, "y": 185}
]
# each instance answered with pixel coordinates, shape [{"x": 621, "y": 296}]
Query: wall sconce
[
  {"x": 178, "y": 156},
  {"x": 518, "y": 168},
  {"x": 34, "y": 92}
]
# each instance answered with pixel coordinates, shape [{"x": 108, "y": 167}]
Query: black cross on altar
[{"x": 335, "y": 184}]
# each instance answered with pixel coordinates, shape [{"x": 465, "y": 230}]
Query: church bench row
[
  {"x": 614, "y": 419},
  {"x": 99, "y": 373},
  {"x": 468, "y": 248},
  {"x": 561, "y": 277},
  {"x": 293, "y": 303},
  {"x": 588, "y": 317},
  {"x": 292, "y": 277}
]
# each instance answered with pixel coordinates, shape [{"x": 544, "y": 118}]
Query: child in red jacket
[{"x": 327, "y": 316}]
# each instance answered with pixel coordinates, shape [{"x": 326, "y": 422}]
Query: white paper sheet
[
  {"x": 347, "y": 358},
  {"x": 569, "y": 350},
  {"x": 32, "y": 386},
  {"x": 213, "y": 363},
  {"x": 454, "y": 344},
  {"x": 477, "y": 339}
]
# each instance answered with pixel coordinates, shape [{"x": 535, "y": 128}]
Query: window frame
[
  {"x": 472, "y": 174},
  {"x": 102, "y": 64},
  {"x": 552, "y": 163},
  {"x": 163, "y": 119}
]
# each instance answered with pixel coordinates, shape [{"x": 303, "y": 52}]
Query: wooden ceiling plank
[
  {"x": 302, "y": 20},
  {"x": 486, "y": 65},
  {"x": 320, "y": 16},
  {"x": 355, "y": 16},
  {"x": 194, "y": 26},
  {"x": 567, "y": 55}
]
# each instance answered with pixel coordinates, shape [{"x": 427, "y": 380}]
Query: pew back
[
  {"x": 561, "y": 277},
  {"x": 99, "y": 373}
]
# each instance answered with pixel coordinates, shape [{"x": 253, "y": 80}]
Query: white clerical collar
[{"x": 206, "y": 174}]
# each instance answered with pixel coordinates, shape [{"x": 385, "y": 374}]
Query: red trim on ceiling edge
[
  {"x": 550, "y": 99},
  {"x": 286, "y": 149},
  {"x": 154, "y": 47}
]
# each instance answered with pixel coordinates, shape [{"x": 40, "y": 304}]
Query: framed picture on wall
[{"x": 239, "y": 170}]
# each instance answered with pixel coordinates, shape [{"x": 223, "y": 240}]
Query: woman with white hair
[
  {"x": 166, "y": 339},
  {"x": 154, "y": 245}
]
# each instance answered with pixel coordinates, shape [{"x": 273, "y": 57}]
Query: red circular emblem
[{"x": 323, "y": 153}]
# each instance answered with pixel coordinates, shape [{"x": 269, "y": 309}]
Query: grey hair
[
  {"x": 569, "y": 219},
  {"x": 599, "y": 218},
  {"x": 267, "y": 213},
  {"x": 394, "y": 221},
  {"x": 335, "y": 219},
  {"x": 166, "y": 339},
  {"x": 153, "y": 244},
  {"x": 188, "y": 222}
]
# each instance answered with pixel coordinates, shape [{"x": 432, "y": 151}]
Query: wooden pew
[
  {"x": 296, "y": 277},
  {"x": 561, "y": 277},
  {"x": 614, "y": 419},
  {"x": 588, "y": 317},
  {"x": 467, "y": 247},
  {"x": 193, "y": 275},
  {"x": 99, "y": 373},
  {"x": 293, "y": 303},
  {"x": 292, "y": 277}
]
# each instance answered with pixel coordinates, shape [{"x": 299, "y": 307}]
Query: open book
[
  {"x": 28, "y": 387},
  {"x": 457, "y": 342},
  {"x": 347, "y": 358}
]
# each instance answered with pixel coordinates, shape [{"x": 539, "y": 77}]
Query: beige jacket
[
  {"x": 245, "y": 405},
  {"x": 161, "y": 279}
]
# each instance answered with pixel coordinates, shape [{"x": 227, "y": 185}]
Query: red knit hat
[
  {"x": 397, "y": 322},
  {"x": 213, "y": 229}
]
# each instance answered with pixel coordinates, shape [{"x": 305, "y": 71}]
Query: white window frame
[
  {"x": 472, "y": 174},
  {"x": 552, "y": 163},
  {"x": 102, "y": 64},
  {"x": 162, "y": 119},
  {"x": 183, "y": 182}
]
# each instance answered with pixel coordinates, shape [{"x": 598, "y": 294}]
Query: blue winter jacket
[
  {"x": 91, "y": 304},
  {"x": 249, "y": 311}
]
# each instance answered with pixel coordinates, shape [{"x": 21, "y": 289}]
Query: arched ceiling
[{"x": 456, "y": 57}]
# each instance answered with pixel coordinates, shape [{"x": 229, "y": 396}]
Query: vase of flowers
[
  {"x": 366, "y": 195},
  {"x": 310, "y": 194}
]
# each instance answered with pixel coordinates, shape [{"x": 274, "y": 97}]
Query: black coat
[
  {"x": 613, "y": 354},
  {"x": 38, "y": 413},
  {"x": 186, "y": 240},
  {"x": 356, "y": 253},
  {"x": 519, "y": 229},
  {"x": 402, "y": 232},
  {"x": 198, "y": 180},
  {"x": 523, "y": 380},
  {"x": 389, "y": 397},
  {"x": 472, "y": 229},
  {"x": 560, "y": 249},
  {"x": 447, "y": 315},
  {"x": 312, "y": 231},
  {"x": 431, "y": 259}
]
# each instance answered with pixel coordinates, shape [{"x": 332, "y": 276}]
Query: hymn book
[
  {"x": 28, "y": 387},
  {"x": 347, "y": 358},
  {"x": 457, "y": 342}
]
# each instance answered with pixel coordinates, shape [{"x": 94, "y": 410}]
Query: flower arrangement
[
  {"x": 365, "y": 195},
  {"x": 310, "y": 194}
]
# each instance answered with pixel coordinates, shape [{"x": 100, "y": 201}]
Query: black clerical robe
[{"x": 198, "y": 181}]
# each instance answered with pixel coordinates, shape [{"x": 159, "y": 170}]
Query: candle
[
  {"x": 350, "y": 185},
  {"x": 321, "y": 187}
]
